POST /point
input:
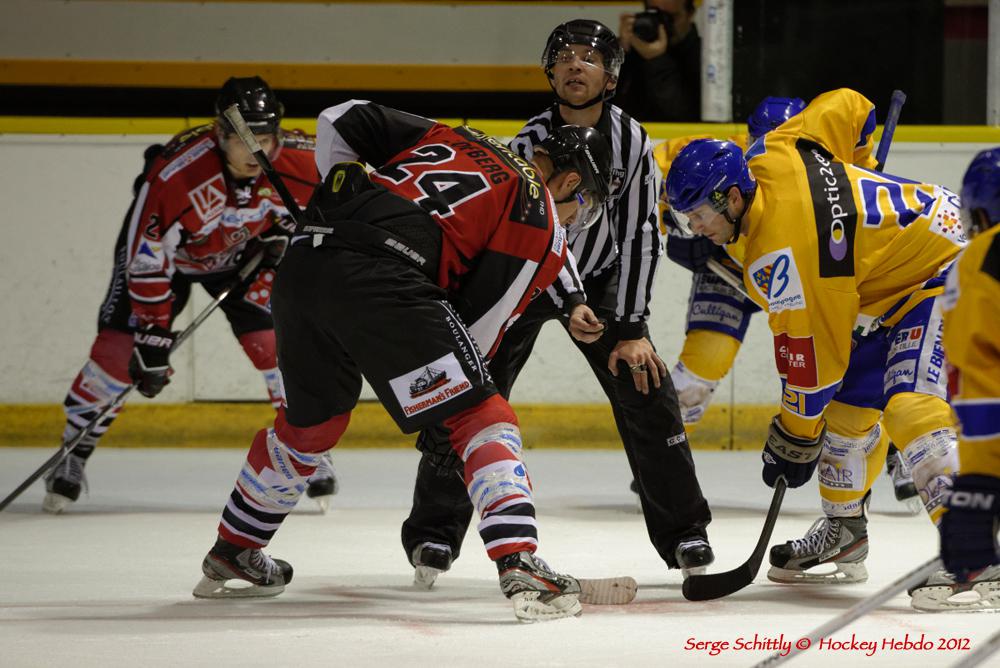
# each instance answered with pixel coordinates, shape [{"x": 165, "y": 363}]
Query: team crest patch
[
  {"x": 430, "y": 384},
  {"x": 209, "y": 199},
  {"x": 947, "y": 223},
  {"x": 776, "y": 279}
]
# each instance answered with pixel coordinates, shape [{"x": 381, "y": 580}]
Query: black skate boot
[
  {"x": 902, "y": 481},
  {"x": 694, "y": 556},
  {"x": 323, "y": 483},
  {"x": 225, "y": 561},
  {"x": 840, "y": 541},
  {"x": 429, "y": 561},
  {"x": 64, "y": 483},
  {"x": 538, "y": 593}
]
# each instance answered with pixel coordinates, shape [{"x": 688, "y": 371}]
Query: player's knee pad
[
  {"x": 847, "y": 468},
  {"x": 694, "y": 393},
  {"x": 909, "y": 415},
  {"x": 498, "y": 485},
  {"x": 315, "y": 439},
  {"x": 261, "y": 348},
  {"x": 709, "y": 354},
  {"x": 112, "y": 351},
  {"x": 933, "y": 460}
]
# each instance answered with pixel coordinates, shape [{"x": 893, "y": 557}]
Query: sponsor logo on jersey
[
  {"x": 906, "y": 340},
  {"x": 776, "y": 278},
  {"x": 948, "y": 224},
  {"x": 902, "y": 373},
  {"x": 833, "y": 208},
  {"x": 148, "y": 259},
  {"x": 430, "y": 384},
  {"x": 185, "y": 159},
  {"x": 558, "y": 239},
  {"x": 795, "y": 357},
  {"x": 675, "y": 440},
  {"x": 618, "y": 179},
  {"x": 209, "y": 199},
  {"x": 720, "y": 313}
]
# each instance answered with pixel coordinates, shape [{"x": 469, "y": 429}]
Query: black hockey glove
[
  {"x": 149, "y": 367},
  {"x": 790, "y": 456},
  {"x": 691, "y": 252},
  {"x": 969, "y": 528},
  {"x": 272, "y": 244}
]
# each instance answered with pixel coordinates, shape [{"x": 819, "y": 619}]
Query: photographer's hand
[
  {"x": 625, "y": 34},
  {"x": 650, "y": 50}
]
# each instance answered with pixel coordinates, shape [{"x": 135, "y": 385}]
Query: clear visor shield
[
  {"x": 588, "y": 212},
  {"x": 698, "y": 216}
]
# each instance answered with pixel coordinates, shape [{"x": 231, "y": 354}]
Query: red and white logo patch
[
  {"x": 209, "y": 199},
  {"x": 429, "y": 385},
  {"x": 795, "y": 357}
]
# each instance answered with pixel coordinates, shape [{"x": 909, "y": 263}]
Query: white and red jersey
[
  {"x": 501, "y": 242},
  {"x": 191, "y": 216}
]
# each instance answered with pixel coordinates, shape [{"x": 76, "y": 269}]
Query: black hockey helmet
[
  {"x": 590, "y": 33},
  {"x": 586, "y": 152},
  {"x": 256, "y": 101}
]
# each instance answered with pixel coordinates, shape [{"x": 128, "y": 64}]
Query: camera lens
[{"x": 647, "y": 25}]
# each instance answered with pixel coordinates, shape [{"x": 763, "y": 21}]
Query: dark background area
[{"x": 932, "y": 50}]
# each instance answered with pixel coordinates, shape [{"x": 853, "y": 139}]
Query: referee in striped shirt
[{"x": 605, "y": 307}]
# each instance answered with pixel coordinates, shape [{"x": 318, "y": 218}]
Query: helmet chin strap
[{"x": 738, "y": 221}]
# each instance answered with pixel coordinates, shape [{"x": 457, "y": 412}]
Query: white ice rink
[{"x": 109, "y": 583}]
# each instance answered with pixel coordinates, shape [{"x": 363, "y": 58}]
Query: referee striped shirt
[{"x": 627, "y": 237}]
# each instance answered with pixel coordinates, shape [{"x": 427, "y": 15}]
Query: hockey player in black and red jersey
[
  {"x": 201, "y": 207},
  {"x": 617, "y": 258},
  {"x": 410, "y": 277}
]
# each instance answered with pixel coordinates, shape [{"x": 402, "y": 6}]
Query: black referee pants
[{"x": 671, "y": 498}]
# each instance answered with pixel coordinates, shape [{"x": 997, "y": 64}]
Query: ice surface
[{"x": 109, "y": 583}]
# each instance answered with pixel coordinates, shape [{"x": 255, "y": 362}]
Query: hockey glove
[
  {"x": 969, "y": 528},
  {"x": 149, "y": 367},
  {"x": 691, "y": 252},
  {"x": 791, "y": 456},
  {"x": 272, "y": 244}
]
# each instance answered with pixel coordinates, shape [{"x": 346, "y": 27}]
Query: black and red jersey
[
  {"x": 190, "y": 216},
  {"x": 501, "y": 242}
]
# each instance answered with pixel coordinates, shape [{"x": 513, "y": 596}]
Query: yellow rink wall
[{"x": 232, "y": 425}]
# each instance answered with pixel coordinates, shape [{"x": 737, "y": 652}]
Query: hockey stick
[
  {"x": 716, "y": 585},
  {"x": 981, "y": 653},
  {"x": 720, "y": 270},
  {"x": 859, "y": 609},
  {"x": 889, "y": 129},
  {"x": 239, "y": 124},
  {"x": 66, "y": 448}
]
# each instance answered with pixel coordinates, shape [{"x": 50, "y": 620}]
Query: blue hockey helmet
[
  {"x": 981, "y": 190},
  {"x": 702, "y": 173},
  {"x": 772, "y": 112}
]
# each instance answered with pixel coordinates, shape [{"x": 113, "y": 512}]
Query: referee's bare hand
[
  {"x": 642, "y": 362},
  {"x": 584, "y": 326}
]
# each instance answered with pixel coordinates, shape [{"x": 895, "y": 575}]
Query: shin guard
[{"x": 102, "y": 378}]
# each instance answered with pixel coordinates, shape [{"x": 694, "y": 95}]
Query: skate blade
[
  {"x": 983, "y": 596},
  {"x": 608, "y": 591},
  {"x": 528, "y": 609},
  {"x": 425, "y": 576},
  {"x": 323, "y": 502},
  {"x": 55, "y": 504},
  {"x": 209, "y": 588},
  {"x": 697, "y": 570},
  {"x": 845, "y": 574},
  {"x": 913, "y": 505}
]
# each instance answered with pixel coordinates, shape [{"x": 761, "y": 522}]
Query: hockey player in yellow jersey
[
  {"x": 719, "y": 314},
  {"x": 848, "y": 262},
  {"x": 971, "y": 306}
]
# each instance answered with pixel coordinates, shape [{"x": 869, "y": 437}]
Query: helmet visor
[
  {"x": 699, "y": 215},
  {"x": 588, "y": 211}
]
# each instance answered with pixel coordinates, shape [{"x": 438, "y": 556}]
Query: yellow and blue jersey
[
  {"x": 834, "y": 247},
  {"x": 971, "y": 306}
]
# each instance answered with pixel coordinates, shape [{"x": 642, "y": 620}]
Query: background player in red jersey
[
  {"x": 201, "y": 208},
  {"x": 411, "y": 277}
]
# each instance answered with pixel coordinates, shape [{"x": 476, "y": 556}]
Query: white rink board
[
  {"x": 109, "y": 583},
  {"x": 65, "y": 197}
]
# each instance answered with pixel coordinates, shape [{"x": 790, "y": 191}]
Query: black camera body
[{"x": 647, "y": 24}]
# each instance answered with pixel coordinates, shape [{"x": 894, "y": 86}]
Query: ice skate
[
  {"x": 538, "y": 593},
  {"x": 942, "y": 593},
  {"x": 902, "y": 481},
  {"x": 260, "y": 574},
  {"x": 64, "y": 483},
  {"x": 429, "y": 561},
  {"x": 841, "y": 542},
  {"x": 694, "y": 556},
  {"x": 323, "y": 483}
]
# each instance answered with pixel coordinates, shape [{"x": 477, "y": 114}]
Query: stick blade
[{"x": 717, "y": 585}]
